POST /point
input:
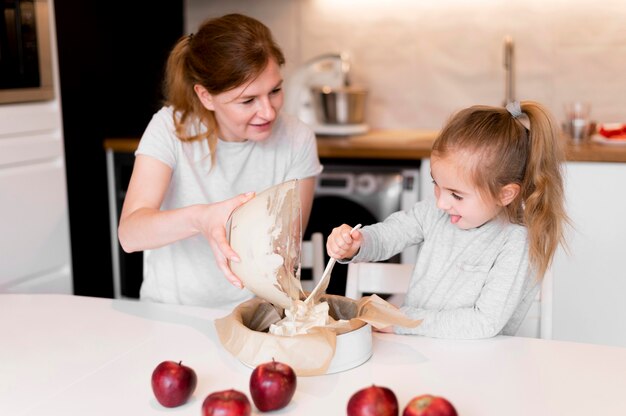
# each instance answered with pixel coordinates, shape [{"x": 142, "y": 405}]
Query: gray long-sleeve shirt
[{"x": 466, "y": 284}]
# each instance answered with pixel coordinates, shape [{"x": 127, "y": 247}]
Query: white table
[{"x": 69, "y": 355}]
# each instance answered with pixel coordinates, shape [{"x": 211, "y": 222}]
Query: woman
[{"x": 219, "y": 138}]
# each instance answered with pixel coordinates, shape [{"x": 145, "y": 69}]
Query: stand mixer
[{"x": 328, "y": 71}]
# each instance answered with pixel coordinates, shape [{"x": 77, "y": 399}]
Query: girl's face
[
  {"x": 249, "y": 111},
  {"x": 457, "y": 196}
]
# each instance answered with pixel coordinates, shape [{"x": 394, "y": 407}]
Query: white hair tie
[{"x": 515, "y": 109}]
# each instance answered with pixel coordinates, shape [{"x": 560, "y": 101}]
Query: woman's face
[
  {"x": 457, "y": 195},
  {"x": 247, "y": 112}
]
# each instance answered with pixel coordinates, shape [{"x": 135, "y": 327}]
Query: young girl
[
  {"x": 219, "y": 139},
  {"x": 489, "y": 236}
]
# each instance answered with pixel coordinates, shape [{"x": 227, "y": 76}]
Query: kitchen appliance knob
[{"x": 366, "y": 184}]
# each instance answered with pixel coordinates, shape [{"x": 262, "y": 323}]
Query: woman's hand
[
  {"x": 212, "y": 225},
  {"x": 343, "y": 245}
]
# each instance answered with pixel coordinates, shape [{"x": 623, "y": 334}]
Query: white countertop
[{"x": 70, "y": 355}]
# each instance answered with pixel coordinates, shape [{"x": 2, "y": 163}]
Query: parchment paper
[{"x": 243, "y": 332}]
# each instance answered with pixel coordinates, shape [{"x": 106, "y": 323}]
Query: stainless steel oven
[{"x": 25, "y": 51}]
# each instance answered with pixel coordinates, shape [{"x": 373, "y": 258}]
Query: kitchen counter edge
[{"x": 407, "y": 145}]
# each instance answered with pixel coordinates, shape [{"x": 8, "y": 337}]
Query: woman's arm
[{"x": 144, "y": 226}]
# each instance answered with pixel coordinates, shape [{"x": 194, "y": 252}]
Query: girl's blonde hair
[
  {"x": 225, "y": 53},
  {"x": 503, "y": 151}
]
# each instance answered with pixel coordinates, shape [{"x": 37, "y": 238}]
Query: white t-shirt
[{"x": 185, "y": 272}]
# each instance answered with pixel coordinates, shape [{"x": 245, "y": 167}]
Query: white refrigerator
[{"x": 35, "y": 254}]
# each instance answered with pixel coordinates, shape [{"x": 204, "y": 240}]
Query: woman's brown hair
[
  {"x": 225, "y": 53},
  {"x": 502, "y": 150}
]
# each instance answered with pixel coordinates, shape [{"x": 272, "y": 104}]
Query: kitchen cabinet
[
  {"x": 590, "y": 279},
  {"x": 127, "y": 267},
  {"x": 34, "y": 241}
]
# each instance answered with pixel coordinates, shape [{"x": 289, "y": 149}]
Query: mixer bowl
[{"x": 344, "y": 105}]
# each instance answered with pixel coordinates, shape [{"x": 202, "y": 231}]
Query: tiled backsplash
[{"x": 423, "y": 60}]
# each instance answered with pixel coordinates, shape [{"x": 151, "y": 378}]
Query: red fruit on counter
[
  {"x": 612, "y": 130},
  {"x": 373, "y": 401},
  {"x": 429, "y": 405},
  {"x": 272, "y": 385},
  {"x": 226, "y": 403},
  {"x": 173, "y": 383}
]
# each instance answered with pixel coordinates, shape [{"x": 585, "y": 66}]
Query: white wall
[{"x": 423, "y": 60}]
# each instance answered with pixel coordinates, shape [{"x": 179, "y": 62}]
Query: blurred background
[{"x": 422, "y": 60}]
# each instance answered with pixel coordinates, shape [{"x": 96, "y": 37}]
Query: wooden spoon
[{"x": 322, "y": 285}]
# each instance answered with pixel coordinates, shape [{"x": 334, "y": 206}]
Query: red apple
[
  {"x": 429, "y": 405},
  {"x": 272, "y": 385},
  {"x": 226, "y": 403},
  {"x": 373, "y": 401},
  {"x": 173, "y": 383}
]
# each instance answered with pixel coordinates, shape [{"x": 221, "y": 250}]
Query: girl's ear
[
  {"x": 205, "y": 97},
  {"x": 508, "y": 193}
]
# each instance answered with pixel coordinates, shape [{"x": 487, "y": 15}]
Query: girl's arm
[{"x": 390, "y": 237}]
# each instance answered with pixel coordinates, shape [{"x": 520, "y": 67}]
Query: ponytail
[
  {"x": 179, "y": 92},
  {"x": 542, "y": 192}
]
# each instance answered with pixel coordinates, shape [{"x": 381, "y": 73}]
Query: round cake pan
[{"x": 352, "y": 349}]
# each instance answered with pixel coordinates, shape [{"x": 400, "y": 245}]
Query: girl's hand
[
  {"x": 341, "y": 244},
  {"x": 212, "y": 225}
]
